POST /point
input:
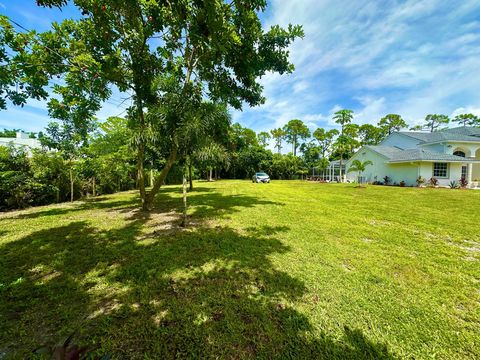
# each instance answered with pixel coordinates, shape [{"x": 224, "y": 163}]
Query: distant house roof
[
  {"x": 22, "y": 139},
  {"x": 461, "y": 134},
  {"x": 394, "y": 154}
]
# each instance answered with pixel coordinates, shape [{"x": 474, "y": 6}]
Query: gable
[{"x": 400, "y": 140}]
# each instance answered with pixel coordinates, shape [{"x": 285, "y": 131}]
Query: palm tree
[{"x": 359, "y": 167}]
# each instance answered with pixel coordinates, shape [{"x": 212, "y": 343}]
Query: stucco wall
[{"x": 380, "y": 169}]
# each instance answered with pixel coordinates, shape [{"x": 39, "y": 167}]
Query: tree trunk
[
  {"x": 58, "y": 191},
  {"x": 158, "y": 182},
  {"x": 71, "y": 183},
  {"x": 210, "y": 174},
  {"x": 184, "y": 189},
  {"x": 190, "y": 177},
  {"x": 94, "y": 187},
  {"x": 141, "y": 172}
]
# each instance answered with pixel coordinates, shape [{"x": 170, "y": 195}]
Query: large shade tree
[
  {"x": 467, "y": 120},
  {"x": 128, "y": 44},
  {"x": 296, "y": 130},
  {"x": 434, "y": 121},
  {"x": 325, "y": 139},
  {"x": 391, "y": 123},
  {"x": 278, "y": 135}
]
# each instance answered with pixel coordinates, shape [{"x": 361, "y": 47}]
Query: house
[
  {"x": 22, "y": 140},
  {"x": 447, "y": 155}
]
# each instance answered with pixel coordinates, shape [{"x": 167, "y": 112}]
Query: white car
[{"x": 261, "y": 177}]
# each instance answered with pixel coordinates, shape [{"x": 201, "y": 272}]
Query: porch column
[{"x": 469, "y": 173}]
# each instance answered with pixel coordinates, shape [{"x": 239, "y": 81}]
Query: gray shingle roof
[
  {"x": 394, "y": 154},
  {"x": 465, "y": 130},
  {"x": 464, "y": 133}
]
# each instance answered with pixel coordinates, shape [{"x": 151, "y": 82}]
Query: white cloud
[{"x": 411, "y": 58}]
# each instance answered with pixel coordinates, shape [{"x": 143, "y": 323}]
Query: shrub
[
  {"x": 453, "y": 185},
  {"x": 386, "y": 180},
  {"x": 402, "y": 183},
  {"x": 463, "y": 182},
  {"x": 420, "y": 180},
  {"x": 433, "y": 181}
]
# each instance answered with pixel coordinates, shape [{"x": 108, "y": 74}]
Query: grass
[{"x": 280, "y": 270}]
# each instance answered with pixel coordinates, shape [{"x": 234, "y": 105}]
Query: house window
[
  {"x": 459, "y": 153},
  {"x": 464, "y": 171},
  {"x": 440, "y": 170}
]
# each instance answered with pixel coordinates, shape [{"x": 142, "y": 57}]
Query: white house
[
  {"x": 447, "y": 155},
  {"x": 21, "y": 140}
]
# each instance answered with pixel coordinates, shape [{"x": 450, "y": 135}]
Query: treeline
[
  {"x": 62, "y": 171},
  {"x": 102, "y": 160}
]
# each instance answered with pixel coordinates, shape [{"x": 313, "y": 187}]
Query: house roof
[
  {"x": 461, "y": 134},
  {"x": 394, "y": 154}
]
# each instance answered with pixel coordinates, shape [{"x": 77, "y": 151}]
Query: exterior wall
[
  {"x": 377, "y": 171},
  {"x": 454, "y": 172},
  {"x": 400, "y": 141},
  {"x": 470, "y": 149},
  {"x": 407, "y": 172}
]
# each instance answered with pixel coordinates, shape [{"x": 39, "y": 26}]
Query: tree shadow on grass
[
  {"x": 99, "y": 203},
  {"x": 204, "y": 292}
]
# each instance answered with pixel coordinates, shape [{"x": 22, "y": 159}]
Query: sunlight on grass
[{"x": 281, "y": 270}]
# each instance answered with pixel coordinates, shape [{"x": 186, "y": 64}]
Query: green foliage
[
  {"x": 325, "y": 139},
  {"x": 467, "y": 120},
  {"x": 295, "y": 130},
  {"x": 278, "y": 135},
  {"x": 263, "y": 137},
  {"x": 370, "y": 135},
  {"x": 343, "y": 117},
  {"x": 434, "y": 121},
  {"x": 392, "y": 122}
]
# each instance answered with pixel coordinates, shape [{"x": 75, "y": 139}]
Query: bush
[
  {"x": 453, "y": 185},
  {"x": 433, "y": 181},
  {"x": 420, "y": 180},
  {"x": 463, "y": 182}
]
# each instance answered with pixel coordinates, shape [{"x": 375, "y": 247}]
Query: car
[{"x": 261, "y": 177}]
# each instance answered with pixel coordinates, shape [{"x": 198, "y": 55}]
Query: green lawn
[{"x": 280, "y": 270}]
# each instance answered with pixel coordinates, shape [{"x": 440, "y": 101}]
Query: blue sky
[{"x": 374, "y": 57}]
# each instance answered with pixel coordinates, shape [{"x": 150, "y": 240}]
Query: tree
[
  {"x": 311, "y": 154},
  {"x": 370, "y": 134},
  {"x": 392, "y": 122},
  {"x": 325, "y": 139},
  {"x": 343, "y": 117},
  {"x": 345, "y": 141},
  {"x": 263, "y": 138},
  {"x": 278, "y": 135},
  {"x": 69, "y": 141},
  {"x": 434, "y": 121},
  {"x": 129, "y": 44},
  {"x": 295, "y": 130},
  {"x": 467, "y": 119},
  {"x": 359, "y": 167},
  {"x": 416, "y": 128}
]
